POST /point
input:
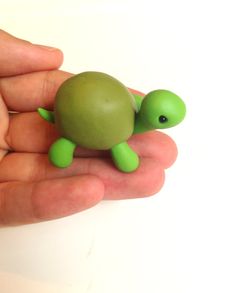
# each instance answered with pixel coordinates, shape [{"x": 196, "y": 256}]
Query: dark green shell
[{"x": 94, "y": 110}]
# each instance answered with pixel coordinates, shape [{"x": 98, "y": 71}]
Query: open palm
[{"x": 31, "y": 189}]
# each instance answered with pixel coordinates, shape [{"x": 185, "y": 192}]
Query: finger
[
  {"x": 30, "y": 202},
  {"x": 146, "y": 180},
  {"x": 4, "y": 124},
  {"x": 18, "y": 56},
  {"x": 30, "y": 91},
  {"x": 28, "y": 132}
]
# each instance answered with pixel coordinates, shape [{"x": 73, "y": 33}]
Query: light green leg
[
  {"x": 61, "y": 152},
  {"x": 124, "y": 157}
]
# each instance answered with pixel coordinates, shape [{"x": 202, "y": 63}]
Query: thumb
[{"x": 18, "y": 56}]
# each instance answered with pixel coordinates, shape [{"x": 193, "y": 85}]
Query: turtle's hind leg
[
  {"x": 61, "y": 152},
  {"x": 125, "y": 159}
]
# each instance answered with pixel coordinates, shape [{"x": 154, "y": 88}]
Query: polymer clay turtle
[{"x": 96, "y": 111}]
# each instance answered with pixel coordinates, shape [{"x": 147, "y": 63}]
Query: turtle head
[{"x": 162, "y": 109}]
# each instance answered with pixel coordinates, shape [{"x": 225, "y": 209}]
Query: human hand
[{"x": 31, "y": 189}]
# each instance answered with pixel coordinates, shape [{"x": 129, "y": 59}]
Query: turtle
[{"x": 96, "y": 111}]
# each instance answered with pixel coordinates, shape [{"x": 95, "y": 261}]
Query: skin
[{"x": 31, "y": 189}]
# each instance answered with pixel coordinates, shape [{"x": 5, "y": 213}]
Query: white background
[{"x": 183, "y": 239}]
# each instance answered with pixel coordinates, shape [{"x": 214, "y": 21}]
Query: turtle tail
[{"x": 46, "y": 115}]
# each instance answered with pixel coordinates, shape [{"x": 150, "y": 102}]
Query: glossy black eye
[{"x": 163, "y": 119}]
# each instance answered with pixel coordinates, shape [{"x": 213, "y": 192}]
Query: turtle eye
[{"x": 163, "y": 119}]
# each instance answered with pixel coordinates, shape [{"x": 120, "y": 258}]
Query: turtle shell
[{"x": 94, "y": 110}]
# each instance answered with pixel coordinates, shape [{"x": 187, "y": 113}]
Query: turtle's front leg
[
  {"x": 61, "y": 152},
  {"x": 124, "y": 157}
]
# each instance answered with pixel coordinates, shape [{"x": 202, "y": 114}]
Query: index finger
[{"x": 19, "y": 56}]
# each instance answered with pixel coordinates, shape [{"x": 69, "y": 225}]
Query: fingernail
[{"x": 47, "y": 47}]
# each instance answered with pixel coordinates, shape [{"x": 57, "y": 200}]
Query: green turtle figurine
[{"x": 96, "y": 111}]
